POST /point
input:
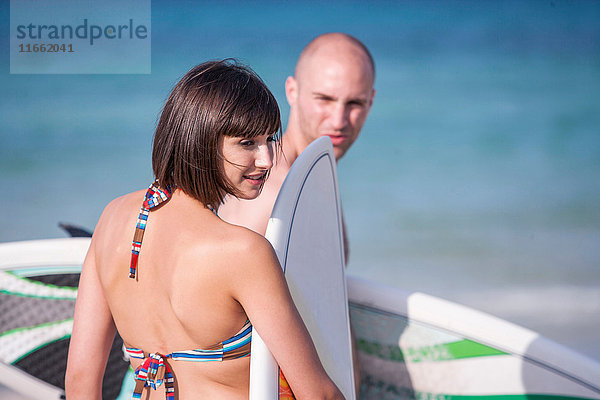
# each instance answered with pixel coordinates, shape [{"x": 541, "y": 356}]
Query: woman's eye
[
  {"x": 247, "y": 143},
  {"x": 270, "y": 138}
]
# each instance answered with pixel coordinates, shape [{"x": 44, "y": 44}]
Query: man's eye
[{"x": 357, "y": 103}]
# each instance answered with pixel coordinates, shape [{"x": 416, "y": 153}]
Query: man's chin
[{"x": 339, "y": 152}]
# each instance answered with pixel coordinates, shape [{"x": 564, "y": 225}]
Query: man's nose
[
  {"x": 339, "y": 117},
  {"x": 264, "y": 156}
]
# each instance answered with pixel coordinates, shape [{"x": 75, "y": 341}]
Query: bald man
[{"x": 330, "y": 94}]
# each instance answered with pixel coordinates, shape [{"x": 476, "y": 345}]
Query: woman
[{"x": 197, "y": 281}]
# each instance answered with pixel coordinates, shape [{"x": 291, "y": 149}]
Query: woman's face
[{"x": 246, "y": 163}]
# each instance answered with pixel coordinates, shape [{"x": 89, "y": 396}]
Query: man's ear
[
  {"x": 291, "y": 90},
  {"x": 372, "y": 97}
]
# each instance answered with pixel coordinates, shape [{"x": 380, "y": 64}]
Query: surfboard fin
[{"x": 74, "y": 231}]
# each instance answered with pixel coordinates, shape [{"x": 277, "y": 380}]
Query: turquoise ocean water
[{"x": 476, "y": 177}]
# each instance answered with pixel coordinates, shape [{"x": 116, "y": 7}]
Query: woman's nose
[{"x": 264, "y": 157}]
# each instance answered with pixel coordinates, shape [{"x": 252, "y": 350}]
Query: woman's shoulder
[
  {"x": 124, "y": 203},
  {"x": 245, "y": 240},
  {"x": 126, "y": 200},
  {"x": 237, "y": 246},
  {"x": 119, "y": 210}
]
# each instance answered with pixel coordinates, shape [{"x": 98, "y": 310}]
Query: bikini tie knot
[{"x": 153, "y": 372}]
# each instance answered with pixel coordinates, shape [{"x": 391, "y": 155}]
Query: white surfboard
[
  {"x": 305, "y": 230},
  {"x": 413, "y": 345}
]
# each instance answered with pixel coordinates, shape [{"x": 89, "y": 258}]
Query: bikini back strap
[
  {"x": 155, "y": 196},
  {"x": 237, "y": 346},
  {"x": 155, "y": 370}
]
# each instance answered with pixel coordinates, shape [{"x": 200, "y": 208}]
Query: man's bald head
[
  {"x": 336, "y": 44},
  {"x": 331, "y": 92}
]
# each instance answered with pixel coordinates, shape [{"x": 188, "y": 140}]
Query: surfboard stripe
[
  {"x": 440, "y": 352},
  {"x": 18, "y": 286},
  {"x": 18, "y": 343},
  {"x": 46, "y": 270},
  {"x": 451, "y": 351}
]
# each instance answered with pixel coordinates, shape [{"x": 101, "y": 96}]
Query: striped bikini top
[{"x": 154, "y": 370}]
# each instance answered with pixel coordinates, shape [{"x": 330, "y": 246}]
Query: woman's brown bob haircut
[{"x": 214, "y": 99}]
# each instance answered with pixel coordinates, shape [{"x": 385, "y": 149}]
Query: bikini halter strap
[{"x": 155, "y": 196}]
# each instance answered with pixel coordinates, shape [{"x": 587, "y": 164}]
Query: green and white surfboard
[{"x": 412, "y": 345}]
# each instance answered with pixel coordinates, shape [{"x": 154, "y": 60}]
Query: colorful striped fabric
[
  {"x": 154, "y": 370},
  {"x": 152, "y": 373},
  {"x": 154, "y": 197},
  {"x": 237, "y": 346}
]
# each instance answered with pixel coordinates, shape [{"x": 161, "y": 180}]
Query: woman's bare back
[{"x": 180, "y": 298}]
